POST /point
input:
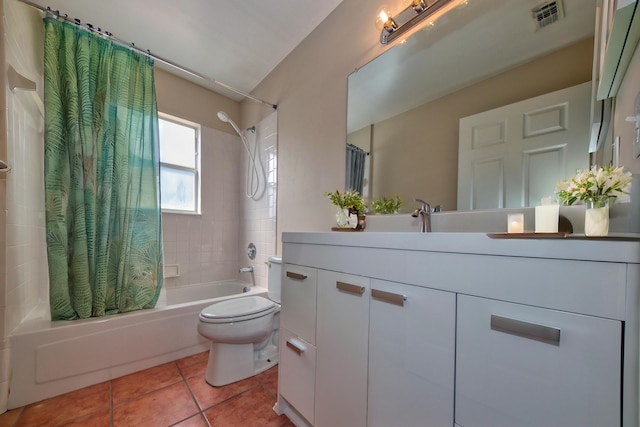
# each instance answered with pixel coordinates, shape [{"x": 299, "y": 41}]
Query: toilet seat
[{"x": 237, "y": 310}]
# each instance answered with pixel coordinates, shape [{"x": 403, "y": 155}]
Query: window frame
[{"x": 196, "y": 170}]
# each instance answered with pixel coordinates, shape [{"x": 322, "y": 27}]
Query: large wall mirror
[{"x": 405, "y": 107}]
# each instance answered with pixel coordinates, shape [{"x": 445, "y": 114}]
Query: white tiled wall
[
  {"x": 26, "y": 272},
  {"x": 206, "y": 246},
  {"x": 22, "y": 237},
  {"x": 259, "y": 216}
]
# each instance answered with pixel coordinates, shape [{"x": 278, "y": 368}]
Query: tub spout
[{"x": 246, "y": 269}]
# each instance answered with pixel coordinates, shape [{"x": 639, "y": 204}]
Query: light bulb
[{"x": 384, "y": 20}]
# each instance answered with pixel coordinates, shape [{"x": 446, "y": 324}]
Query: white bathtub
[{"x": 52, "y": 358}]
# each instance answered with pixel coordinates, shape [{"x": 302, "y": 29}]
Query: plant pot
[
  {"x": 596, "y": 217},
  {"x": 342, "y": 217}
]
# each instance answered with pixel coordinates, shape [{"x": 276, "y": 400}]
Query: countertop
[{"x": 617, "y": 247}]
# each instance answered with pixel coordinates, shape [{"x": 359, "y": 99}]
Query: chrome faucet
[{"x": 424, "y": 212}]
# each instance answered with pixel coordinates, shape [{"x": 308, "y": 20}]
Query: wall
[
  {"x": 204, "y": 246},
  {"x": 310, "y": 88},
  {"x": 415, "y": 154},
  {"x": 624, "y": 107},
  {"x": 211, "y": 247},
  {"x": 258, "y": 217}
]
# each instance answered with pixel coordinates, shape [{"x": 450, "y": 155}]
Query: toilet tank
[{"x": 275, "y": 278}]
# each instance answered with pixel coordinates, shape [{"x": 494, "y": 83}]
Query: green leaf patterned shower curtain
[{"x": 103, "y": 218}]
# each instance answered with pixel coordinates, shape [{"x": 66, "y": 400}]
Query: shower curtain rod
[{"x": 180, "y": 68}]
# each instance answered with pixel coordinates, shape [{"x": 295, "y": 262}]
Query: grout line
[
  {"x": 186, "y": 383},
  {"x": 111, "y": 403}
]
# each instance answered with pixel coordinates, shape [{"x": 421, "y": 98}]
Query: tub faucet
[
  {"x": 246, "y": 269},
  {"x": 424, "y": 212}
]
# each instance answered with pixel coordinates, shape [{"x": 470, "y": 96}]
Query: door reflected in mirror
[{"x": 404, "y": 107}]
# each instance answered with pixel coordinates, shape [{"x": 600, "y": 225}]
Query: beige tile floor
[{"x": 172, "y": 394}]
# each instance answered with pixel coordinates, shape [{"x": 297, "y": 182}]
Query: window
[{"x": 179, "y": 165}]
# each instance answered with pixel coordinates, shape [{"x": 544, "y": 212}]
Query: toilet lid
[{"x": 242, "y": 308}]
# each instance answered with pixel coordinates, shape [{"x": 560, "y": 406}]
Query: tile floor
[{"x": 173, "y": 394}]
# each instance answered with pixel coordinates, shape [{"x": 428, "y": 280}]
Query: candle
[
  {"x": 547, "y": 216},
  {"x": 515, "y": 223}
]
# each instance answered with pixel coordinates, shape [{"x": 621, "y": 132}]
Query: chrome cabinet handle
[
  {"x": 296, "y": 346},
  {"x": 297, "y": 276},
  {"x": 348, "y": 287},
  {"x": 532, "y": 331},
  {"x": 389, "y": 297}
]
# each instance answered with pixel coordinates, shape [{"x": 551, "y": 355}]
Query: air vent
[{"x": 547, "y": 13}]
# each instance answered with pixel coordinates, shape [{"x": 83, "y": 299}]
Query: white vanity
[{"x": 459, "y": 329}]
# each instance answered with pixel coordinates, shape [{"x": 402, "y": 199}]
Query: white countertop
[{"x": 617, "y": 247}]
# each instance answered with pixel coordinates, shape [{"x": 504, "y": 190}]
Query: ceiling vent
[{"x": 547, "y": 13}]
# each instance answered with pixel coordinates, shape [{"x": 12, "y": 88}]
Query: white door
[{"x": 514, "y": 155}]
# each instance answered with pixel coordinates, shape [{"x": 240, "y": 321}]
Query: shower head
[{"x": 223, "y": 116}]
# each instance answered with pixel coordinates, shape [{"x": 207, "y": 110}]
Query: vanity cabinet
[
  {"x": 459, "y": 329},
  {"x": 520, "y": 366},
  {"x": 411, "y": 356}
]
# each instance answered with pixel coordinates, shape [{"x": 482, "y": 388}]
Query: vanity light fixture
[{"x": 412, "y": 15}]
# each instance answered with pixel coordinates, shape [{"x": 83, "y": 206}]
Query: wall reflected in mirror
[{"x": 404, "y": 107}]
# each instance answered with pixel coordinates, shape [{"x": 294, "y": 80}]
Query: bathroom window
[{"x": 179, "y": 165}]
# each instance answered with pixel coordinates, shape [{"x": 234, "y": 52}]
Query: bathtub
[{"x": 52, "y": 358}]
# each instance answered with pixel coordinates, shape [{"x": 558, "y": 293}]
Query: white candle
[
  {"x": 547, "y": 216},
  {"x": 515, "y": 223}
]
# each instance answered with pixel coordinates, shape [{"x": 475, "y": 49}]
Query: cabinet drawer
[
  {"x": 297, "y": 373},
  {"x": 299, "y": 301},
  {"x": 519, "y": 365}
]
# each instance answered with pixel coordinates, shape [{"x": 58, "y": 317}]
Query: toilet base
[{"x": 229, "y": 363}]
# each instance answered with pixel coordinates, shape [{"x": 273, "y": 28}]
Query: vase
[
  {"x": 596, "y": 217},
  {"x": 342, "y": 217}
]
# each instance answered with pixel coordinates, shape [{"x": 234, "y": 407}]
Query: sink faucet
[{"x": 424, "y": 212}]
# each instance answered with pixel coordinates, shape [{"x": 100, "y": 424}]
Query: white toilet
[{"x": 243, "y": 333}]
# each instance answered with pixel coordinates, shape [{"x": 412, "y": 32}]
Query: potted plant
[
  {"x": 385, "y": 205},
  {"x": 351, "y": 210},
  {"x": 596, "y": 188}
]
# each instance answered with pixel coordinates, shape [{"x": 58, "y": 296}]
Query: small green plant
[
  {"x": 384, "y": 205},
  {"x": 350, "y": 200}
]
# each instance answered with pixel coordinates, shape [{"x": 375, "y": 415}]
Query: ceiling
[{"x": 235, "y": 42}]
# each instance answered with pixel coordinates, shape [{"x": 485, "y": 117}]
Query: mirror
[{"x": 405, "y": 106}]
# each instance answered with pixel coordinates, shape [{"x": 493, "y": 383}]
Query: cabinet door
[
  {"x": 342, "y": 342},
  {"x": 298, "y": 313},
  {"x": 297, "y": 373},
  {"x": 520, "y": 366},
  {"x": 411, "y": 356}
]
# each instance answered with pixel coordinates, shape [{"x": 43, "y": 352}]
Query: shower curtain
[
  {"x": 103, "y": 218},
  {"x": 355, "y": 168}
]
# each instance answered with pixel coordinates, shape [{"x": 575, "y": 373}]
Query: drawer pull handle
[
  {"x": 348, "y": 287},
  {"x": 532, "y": 331},
  {"x": 389, "y": 297},
  {"x": 296, "y": 346},
  {"x": 297, "y": 276}
]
